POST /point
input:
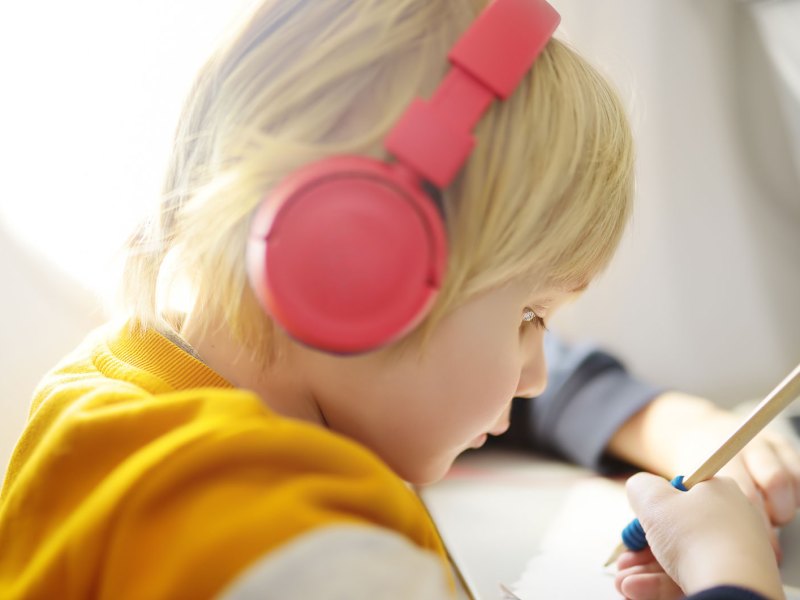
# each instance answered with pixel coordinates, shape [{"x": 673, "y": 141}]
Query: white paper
[{"x": 577, "y": 543}]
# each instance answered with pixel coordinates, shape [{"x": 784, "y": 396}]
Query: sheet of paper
[
  {"x": 493, "y": 510},
  {"x": 576, "y": 544}
]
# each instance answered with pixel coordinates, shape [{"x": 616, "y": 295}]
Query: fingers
[
  {"x": 691, "y": 537},
  {"x": 646, "y": 581},
  {"x": 631, "y": 559},
  {"x": 737, "y": 470},
  {"x": 772, "y": 464},
  {"x": 791, "y": 460}
]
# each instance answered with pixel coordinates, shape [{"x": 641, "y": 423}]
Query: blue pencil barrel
[{"x": 633, "y": 535}]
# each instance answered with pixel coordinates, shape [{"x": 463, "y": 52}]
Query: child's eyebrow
[
  {"x": 548, "y": 300},
  {"x": 574, "y": 290}
]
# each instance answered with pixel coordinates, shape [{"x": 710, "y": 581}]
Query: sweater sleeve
[
  {"x": 356, "y": 562},
  {"x": 589, "y": 396},
  {"x": 726, "y": 592}
]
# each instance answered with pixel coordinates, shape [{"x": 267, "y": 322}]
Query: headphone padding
[{"x": 347, "y": 254}]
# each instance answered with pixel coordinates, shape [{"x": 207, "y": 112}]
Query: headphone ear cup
[{"x": 347, "y": 254}]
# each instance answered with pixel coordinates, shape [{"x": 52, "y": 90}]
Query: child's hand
[
  {"x": 765, "y": 481},
  {"x": 702, "y": 538},
  {"x": 677, "y": 432},
  {"x": 767, "y": 469},
  {"x": 772, "y": 466}
]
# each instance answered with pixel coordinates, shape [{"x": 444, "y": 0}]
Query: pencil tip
[{"x": 615, "y": 555}]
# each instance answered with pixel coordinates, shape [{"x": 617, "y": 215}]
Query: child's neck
[{"x": 281, "y": 385}]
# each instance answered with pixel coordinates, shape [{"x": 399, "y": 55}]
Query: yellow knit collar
[{"x": 150, "y": 351}]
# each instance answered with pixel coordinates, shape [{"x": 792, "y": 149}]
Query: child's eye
[{"x": 529, "y": 316}]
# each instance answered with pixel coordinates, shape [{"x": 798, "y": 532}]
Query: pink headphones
[{"x": 347, "y": 254}]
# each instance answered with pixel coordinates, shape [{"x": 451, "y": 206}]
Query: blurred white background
[
  {"x": 703, "y": 295},
  {"x": 705, "y": 292}
]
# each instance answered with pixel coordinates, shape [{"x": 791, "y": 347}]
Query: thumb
[
  {"x": 646, "y": 492},
  {"x": 652, "y": 499}
]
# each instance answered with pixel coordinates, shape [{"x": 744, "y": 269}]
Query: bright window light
[{"x": 92, "y": 92}]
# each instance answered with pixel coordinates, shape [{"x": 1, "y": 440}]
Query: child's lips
[{"x": 479, "y": 441}]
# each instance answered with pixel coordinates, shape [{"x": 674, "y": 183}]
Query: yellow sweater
[{"x": 143, "y": 474}]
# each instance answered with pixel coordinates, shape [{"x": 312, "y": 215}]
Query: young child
[{"x": 355, "y": 325}]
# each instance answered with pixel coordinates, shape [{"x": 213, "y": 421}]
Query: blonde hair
[{"x": 545, "y": 194}]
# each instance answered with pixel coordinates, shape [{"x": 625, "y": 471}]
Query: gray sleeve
[
  {"x": 589, "y": 396},
  {"x": 350, "y": 561}
]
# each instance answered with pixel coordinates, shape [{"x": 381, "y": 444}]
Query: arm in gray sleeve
[{"x": 589, "y": 397}]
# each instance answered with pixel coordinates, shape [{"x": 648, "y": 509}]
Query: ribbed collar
[{"x": 148, "y": 350}]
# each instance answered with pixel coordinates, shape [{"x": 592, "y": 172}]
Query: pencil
[{"x": 783, "y": 395}]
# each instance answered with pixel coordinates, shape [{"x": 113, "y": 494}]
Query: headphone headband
[{"x": 488, "y": 61}]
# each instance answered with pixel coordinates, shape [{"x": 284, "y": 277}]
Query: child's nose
[
  {"x": 533, "y": 378},
  {"x": 532, "y": 390}
]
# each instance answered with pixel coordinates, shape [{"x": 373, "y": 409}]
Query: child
[{"x": 259, "y": 443}]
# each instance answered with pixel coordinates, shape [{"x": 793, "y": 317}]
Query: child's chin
[{"x": 431, "y": 474}]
